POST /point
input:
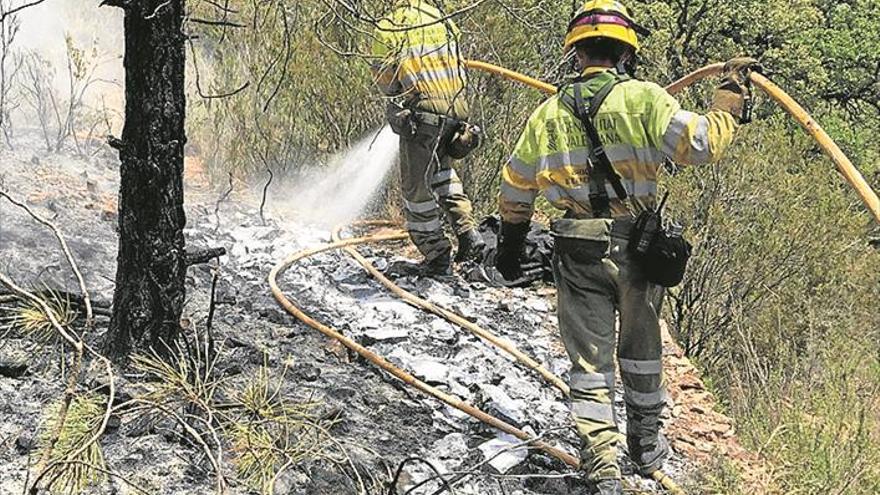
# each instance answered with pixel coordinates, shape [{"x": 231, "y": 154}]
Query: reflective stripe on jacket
[
  {"x": 640, "y": 126},
  {"x": 417, "y": 57}
]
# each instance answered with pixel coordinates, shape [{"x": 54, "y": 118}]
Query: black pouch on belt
[
  {"x": 662, "y": 253},
  {"x": 466, "y": 139}
]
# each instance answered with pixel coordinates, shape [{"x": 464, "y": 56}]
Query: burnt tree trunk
[{"x": 151, "y": 264}]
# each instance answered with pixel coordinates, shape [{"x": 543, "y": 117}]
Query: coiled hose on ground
[{"x": 348, "y": 245}]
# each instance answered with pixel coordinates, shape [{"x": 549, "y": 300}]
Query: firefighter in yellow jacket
[
  {"x": 638, "y": 127},
  {"x": 418, "y": 65}
]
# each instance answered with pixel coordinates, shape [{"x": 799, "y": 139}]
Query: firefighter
[
  {"x": 595, "y": 151},
  {"x": 419, "y": 67}
]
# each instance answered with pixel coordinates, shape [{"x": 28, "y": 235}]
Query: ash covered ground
[{"x": 379, "y": 421}]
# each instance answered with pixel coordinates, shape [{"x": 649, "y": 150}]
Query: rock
[
  {"x": 538, "y": 305},
  {"x": 468, "y": 312},
  {"x": 113, "y": 423},
  {"x": 452, "y": 446},
  {"x": 498, "y": 402},
  {"x": 501, "y": 454},
  {"x": 441, "y": 329},
  {"x": 386, "y": 334},
  {"x": 232, "y": 370},
  {"x": 518, "y": 388},
  {"x": 506, "y": 305},
  {"x": 462, "y": 291},
  {"x": 307, "y": 373},
  {"x": 11, "y": 368},
  {"x": 24, "y": 443},
  {"x": 430, "y": 371},
  {"x": 358, "y": 291},
  {"x": 533, "y": 318},
  {"x": 238, "y": 250},
  {"x": 344, "y": 273},
  {"x": 396, "y": 309},
  {"x": 380, "y": 263},
  {"x": 287, "y": 482}
]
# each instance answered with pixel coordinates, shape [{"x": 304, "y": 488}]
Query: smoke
[
  {"x": 96, "y": 31},
  {"x": 340, "y": 191}
]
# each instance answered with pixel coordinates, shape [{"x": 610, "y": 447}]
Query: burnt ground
[{"x": 379, "y": 421}]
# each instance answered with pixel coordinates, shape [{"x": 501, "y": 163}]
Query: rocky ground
[{"x": 379, "y": 422}]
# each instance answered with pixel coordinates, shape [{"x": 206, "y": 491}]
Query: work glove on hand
[
  {"x": 739, "y": 68},
  {"x": 734, "y": 94},
  {"x": 510, "y": 249}
]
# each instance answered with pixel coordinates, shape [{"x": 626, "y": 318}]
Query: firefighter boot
[
  {"x": 438, "y": 266},
  {"x": 470, "y": 247},
  {"x": 648, "y": 448},
  {"x": 607, "y": 487}
]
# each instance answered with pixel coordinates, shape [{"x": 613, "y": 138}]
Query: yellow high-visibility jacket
[
  {"x": 417, "y": 57},
  {"x": 640, "y": 126}
]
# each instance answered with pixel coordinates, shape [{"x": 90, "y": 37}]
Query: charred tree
[{"x": 151, "y": 264}]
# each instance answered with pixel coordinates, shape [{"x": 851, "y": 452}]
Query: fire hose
[
  {"x": 845, "y": 166},
  {"x": 381, "y": 362},
  {"x": 348, "y": 244},
  {"x": 792, "y": 107}
]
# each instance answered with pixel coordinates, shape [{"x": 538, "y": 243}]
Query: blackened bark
[{"x": 151, "y": 265}]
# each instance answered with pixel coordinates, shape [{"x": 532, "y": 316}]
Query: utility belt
[
  {"x": 660, "y": 251},
  {"x": 457, "y": 137}
]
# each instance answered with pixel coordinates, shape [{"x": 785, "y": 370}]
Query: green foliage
[
  {"x": 28, "y": 319},
  {"x": 780, "y": 308},
  {"x": 721, "y": 478},
  {"x": 76, "y": 461},
  {"x": 269, "y": 435}
]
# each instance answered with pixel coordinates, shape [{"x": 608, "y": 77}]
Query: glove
[
  {"x": 510, "y": 249},
  {"x": 734, "y": 94},
  {"x": 467, "y": 139},
  {"x": 400, "y": 119},
  {"x": 738, "y": 69}
]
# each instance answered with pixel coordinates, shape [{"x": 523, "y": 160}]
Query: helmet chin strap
[{"x": 627, "y": 64}]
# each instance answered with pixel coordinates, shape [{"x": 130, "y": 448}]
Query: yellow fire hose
[
  {"x": 348, "y": 244},
  {"x": 792, "y": 107},
  {"x": 450, "y": 316},
  {"x": 385, "y": 364}
]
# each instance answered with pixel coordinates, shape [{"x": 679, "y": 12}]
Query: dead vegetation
[{"x": 248, "y": 431}]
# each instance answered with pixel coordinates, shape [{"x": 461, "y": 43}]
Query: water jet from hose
[{"x": 340, "y": 191}]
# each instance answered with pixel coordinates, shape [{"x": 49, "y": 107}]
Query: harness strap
[{"x": 601, "y": 169}]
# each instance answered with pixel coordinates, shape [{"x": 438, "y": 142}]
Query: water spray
[{"x": 339, "y": 192}]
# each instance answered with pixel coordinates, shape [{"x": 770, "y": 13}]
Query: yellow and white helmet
[{"x": 605, "y": 19}]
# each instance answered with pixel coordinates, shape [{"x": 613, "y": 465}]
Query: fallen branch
[
  {"x": 19, "y": 9},
  {"x": 202, "y": 256},
  {"x": 67, "y": 254}
]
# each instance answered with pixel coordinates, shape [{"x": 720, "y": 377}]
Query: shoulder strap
[{"x": 602, "y": 171}]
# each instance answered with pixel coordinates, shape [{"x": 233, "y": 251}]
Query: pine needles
[
  {"x": 269, "y": 435},
  {"x": 265, "y": 432},
  {"x": 76, "y": 460},
  {"x": 28, "y": 319}
]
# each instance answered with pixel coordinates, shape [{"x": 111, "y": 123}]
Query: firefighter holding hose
[
  {"x": 419, "y": 68},
  {"x": 595, "y": 151}
]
